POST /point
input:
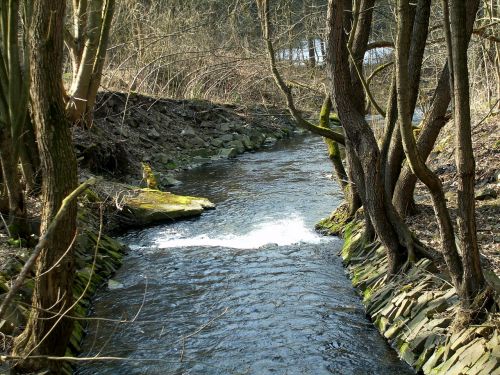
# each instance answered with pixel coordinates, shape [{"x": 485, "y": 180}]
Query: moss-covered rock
[
  {"x": 336, "y": 223},
  {"x": 148, "y": 206}
]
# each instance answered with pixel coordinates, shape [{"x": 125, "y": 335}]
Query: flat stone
[
  {"x": 228, "y": 153},
  {"x": 473, "y": 353},
  {"x": 226, "y": 137},
  {"x": 153, "y": 134},
  {"x": 395, "y": 328},
  {"x": 237, "y": 145},
  {"x": 479, "y": 365},
  {"x": 196, "y": 141},
  {"x": 224, "y": 127},
  {"x": 188, "y": 131},
  {"x": 433, "y": 360},
  {"x": 162, "y": 158},
  {"x": 146, "y": 206},
  {"x": 165, "y": 180},
  {"x": 485, "y": 194},
  {"x": 245, "y": 139},
  {"x": 269, "y": 141},
  {"x": 216, "y": 142}
]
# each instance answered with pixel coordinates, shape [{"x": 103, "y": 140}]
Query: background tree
[
  {"x": 13, "y": 109},
  {"x": 87, "y": 44}
]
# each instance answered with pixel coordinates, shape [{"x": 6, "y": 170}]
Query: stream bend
[{"x": 248, "y": 288}]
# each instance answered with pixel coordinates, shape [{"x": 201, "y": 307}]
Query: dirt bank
[{"x": 171, "y": 135}]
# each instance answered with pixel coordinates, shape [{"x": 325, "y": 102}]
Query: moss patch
[
  {"x": 147, "y": 206},
  {"x": 336, "y": 223}
]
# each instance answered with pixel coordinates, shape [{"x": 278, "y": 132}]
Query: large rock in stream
[{"x": 148, "y": 206}]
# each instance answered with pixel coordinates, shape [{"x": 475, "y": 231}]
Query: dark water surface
[{"x": 248, "y": 288}]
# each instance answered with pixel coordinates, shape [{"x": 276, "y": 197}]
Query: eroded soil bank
[{"x": 171, "y": 135}]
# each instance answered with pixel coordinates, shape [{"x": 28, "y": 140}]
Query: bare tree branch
[{"x": 41, "y": 244}]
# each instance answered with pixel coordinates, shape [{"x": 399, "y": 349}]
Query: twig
[
  {"x": 365, "y": 85},
  {"x": 42, "y": 243},
  {"x": 6, "y": 226},
  {"x": 202, "y": 327},
  {"x": 487, "y": 115}
]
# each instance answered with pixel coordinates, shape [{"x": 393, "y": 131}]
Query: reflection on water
[{"x": 247, "y": 288}]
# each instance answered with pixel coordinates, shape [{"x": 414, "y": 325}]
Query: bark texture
[
  {"x": 434, "y": 120},
  {"x": 47, "y": 331},
  {"x": 359, "y": 134},
  {"x": 473, "y": 279}
]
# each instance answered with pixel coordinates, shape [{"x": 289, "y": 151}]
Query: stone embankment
[
  {"x": 171, "y": 135},
  {"x": 414, "y": 312}
]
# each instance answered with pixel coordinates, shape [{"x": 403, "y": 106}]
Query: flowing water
[{"x": 248, "y": 288}]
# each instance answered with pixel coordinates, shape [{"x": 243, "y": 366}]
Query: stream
[{"x": 247, "y": 288}]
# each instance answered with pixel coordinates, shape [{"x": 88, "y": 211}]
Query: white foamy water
[{"x": 282, "y": 232}]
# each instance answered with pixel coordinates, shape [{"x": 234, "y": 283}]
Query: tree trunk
[
  {"x": 358, "y": 42},
  {"x": 435, "y": 118},
  {"x": 473, "y": 279},
  {"x": 17, "y": 210},
  {"x": 48, "y": 330},
  {"x": 359, "y": 134},
  {"x": 333, "y": 147},
  {"x": 13, "y": 102},
  {"x": 418, "y": 24},
  {"x": 346, "y": 183},
  {"x": 88, "y": 51},
  {"x": 410, "y": 148},
  {"x": 4, "y": 197}
]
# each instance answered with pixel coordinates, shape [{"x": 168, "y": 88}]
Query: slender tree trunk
[
  {"x": 333, "y": 147},
  {"x": 345, "y": 182},
  {"x": 362, "y": 139},
  {"x": 17, "y": 211},
  {"x": 418, "y": 25},
  {"x": 48, "y": 330},
  {"x": 434, "y": 120},
  {"x": 13, "y": 102},
  {"x": 417, "y": 164},
  {"x": 358, "y": 43},
  {"x": 88, "y": 51},
  {"x": 473, "y": 279}
]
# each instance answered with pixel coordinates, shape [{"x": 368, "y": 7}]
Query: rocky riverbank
[
  {"x": 171, "y": 135},
  {"x": 414, "y": 312}
]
